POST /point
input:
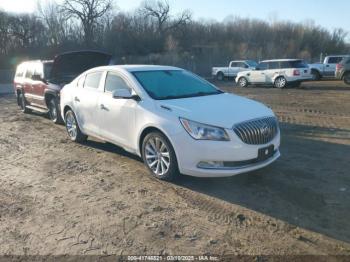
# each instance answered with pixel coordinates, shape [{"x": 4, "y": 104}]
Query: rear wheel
[
  {"x": 220, "y": 76},
  {"x": 159, "y": 156},
  {"x": 23, "y": 103},
  {"x": 73, "y": 128},
  {"x": 280, "y": 82},
  {"x": 54, "y": 112},
  {"x": 347, "y": 78},
  {"x": 243, "y": 82}
]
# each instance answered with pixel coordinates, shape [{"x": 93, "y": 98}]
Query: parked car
[
  {"x": 38, "y": 83},
  {"x": 176, "y": 121},
  {"x": 220, "y": 73},
  {"x": 278, "y": 73},
  {"x": 327, "y": 68},
  {"x": 343, "y": 70}
]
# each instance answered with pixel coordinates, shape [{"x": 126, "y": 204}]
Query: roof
[
  {"x": 240, "y": 61},
  {"x": 134, "y": 68},
  {"x": 282, "y": 60}
]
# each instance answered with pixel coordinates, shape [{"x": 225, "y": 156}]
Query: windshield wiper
[{"x": 190, "y": 95}]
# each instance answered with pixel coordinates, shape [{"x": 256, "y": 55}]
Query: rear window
[
  {"x": 20, "y": 71},
  {"x": 29, "y": 73},
  {"x": 294, "y": 64},
  {"x": 92, "y": 80}
]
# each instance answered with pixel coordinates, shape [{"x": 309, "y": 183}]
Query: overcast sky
[{"x": 323, "y": 12}]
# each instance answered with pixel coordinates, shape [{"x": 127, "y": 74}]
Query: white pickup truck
[
  {"x": 220, "y": 73},
  {"x": 327, "y": 68}
]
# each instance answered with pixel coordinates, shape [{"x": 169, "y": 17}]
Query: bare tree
[
  {"x": 55, "y": 21},
  {"x": 160, "y": 11},
  {"x": 88, "y": 12}
]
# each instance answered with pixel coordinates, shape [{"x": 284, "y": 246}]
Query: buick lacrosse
[{"x": 176, "y": 121}]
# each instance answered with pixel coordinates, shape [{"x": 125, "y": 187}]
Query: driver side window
[
  {"x": 262, "y": 66},
  {"x": 114, "y": 82}
]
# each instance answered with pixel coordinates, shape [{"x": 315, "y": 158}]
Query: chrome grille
[{"x": 258, "y": 131}]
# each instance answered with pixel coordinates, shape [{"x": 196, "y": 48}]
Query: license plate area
[{"x": 266, "y": 152}]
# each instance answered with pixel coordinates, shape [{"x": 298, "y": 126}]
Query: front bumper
[{"x": 191, "y": 152}]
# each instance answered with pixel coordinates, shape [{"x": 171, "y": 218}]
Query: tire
[
  {"x": 242, "y": 82},
  {"x": 23, "y": 103},
  {"x": 73, "y": 128},
  {"x": 280, "y": 82},
  {"x": 159, "y": 157},
  {"x": 220, "y": 76},
  {"x": 54, "y": 112},
  {"x": 347, "y": 78},
  {"x": 315, "y": 75}
]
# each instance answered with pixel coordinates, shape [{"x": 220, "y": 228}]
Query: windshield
[
  {"x": 173, "y": 84},
  {"x": 252, "y": 63}
]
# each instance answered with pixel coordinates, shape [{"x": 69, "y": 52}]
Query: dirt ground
[{"x": 57, "y": 197}]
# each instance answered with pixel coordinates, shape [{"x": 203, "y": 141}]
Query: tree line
[{"x": 154, "y": 34}]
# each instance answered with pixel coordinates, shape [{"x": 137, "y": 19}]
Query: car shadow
[
  {"x": 309, "y": 186},
  {"x": 111, "y": 148}
]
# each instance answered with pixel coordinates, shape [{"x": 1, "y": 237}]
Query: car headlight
[{"x": 204, "y": 132}]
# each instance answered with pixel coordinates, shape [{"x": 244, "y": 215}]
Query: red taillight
[
  {"x": 339, "y": 66},
  {"x": 296, "y": 72}
]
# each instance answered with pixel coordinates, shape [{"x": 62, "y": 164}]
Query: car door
[
  {"x": 116, "y": 116},
  {"x": 273, "y": 69},
  {"x": 85, "y": 98},
  {"x": 38, "y": 86},
  {"x": 233, "y": 69},
  {"x": 259, "y": 75},
  {"x": 242, "y": 67},
  {"x": 329, "y": 68},
  {"x": 27, "y": 84}
]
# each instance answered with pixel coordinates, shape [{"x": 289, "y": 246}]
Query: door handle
[
  {"x": 76, "y": 99},
  {"x": 102, "y": 106}
]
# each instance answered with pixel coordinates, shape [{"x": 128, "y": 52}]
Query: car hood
[
  {"x": 67, "y": 66},
  {"x": 223, "y": 110}
]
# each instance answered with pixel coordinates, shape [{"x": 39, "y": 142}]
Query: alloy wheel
[
  {"x": 242, "y": 82},
  {"x": 157, "y": 156},
  {"x": 280, "y": 82},
  {"x": 71, "y": 125}
]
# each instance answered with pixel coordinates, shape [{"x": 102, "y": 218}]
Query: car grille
[{"x": 257, "y": 132}]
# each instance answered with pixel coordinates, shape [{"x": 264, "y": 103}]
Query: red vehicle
[{"x": 38, "y": 83}]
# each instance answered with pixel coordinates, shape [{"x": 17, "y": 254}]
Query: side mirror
[
  {"x": 37, "y": 78},
  {"x": 124, "y": 94}
]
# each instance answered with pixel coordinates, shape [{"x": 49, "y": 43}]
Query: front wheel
[
  {"x": 54, "y": 112},
  {"x": 73, "y": 128},
  {"x": 242, "y": 82},
  {"x": 347, "y": 78},
  {"x": 159, "y": 156},
  {"x": 280, "y": 82}
]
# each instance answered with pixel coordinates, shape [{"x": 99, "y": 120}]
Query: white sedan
[{"x": 176, "y": 121}]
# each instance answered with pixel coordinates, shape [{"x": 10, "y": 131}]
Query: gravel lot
[{"x": 57, "y": 197}]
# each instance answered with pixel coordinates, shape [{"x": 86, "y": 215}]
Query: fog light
[{"x": 211, "y": 164}]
